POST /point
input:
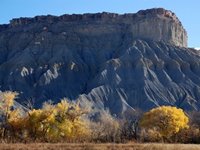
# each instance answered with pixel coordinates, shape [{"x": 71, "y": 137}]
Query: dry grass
[{"x": 66, "y": 146}]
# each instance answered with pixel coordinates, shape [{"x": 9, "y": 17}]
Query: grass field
[{"x": 66, "y": 146}]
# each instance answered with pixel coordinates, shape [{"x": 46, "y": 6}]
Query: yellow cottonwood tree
[
  {"x": 166, "y": 120},
  {"x": 62, "y": 121},
  {"x": 6, "y": 102},
  {"x": 69, "y": 120}
]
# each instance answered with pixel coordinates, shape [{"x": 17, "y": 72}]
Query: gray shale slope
[{"x": 106, "y": 60}]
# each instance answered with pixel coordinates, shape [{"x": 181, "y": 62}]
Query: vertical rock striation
[{"x": 160, "y": 25}]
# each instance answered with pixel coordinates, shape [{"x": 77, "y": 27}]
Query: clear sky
[{"x": 187, "y": 10}]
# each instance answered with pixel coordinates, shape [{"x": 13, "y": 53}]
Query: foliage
[
  {"x": 6, "y": 103},
  {"x": 56, "y": 122},
  {"x": 166, "y": 120},
  {"x": 67, "y": 121},
  {"x": 63, "y": 121}
]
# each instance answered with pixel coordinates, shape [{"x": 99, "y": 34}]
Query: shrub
[
  {"x": 150, "y": 135},
  {"x": 190, "y": 135},
  {"x": 105, "y": 129}
]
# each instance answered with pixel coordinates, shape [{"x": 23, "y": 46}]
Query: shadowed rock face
[{"x": 107, "y": 60}]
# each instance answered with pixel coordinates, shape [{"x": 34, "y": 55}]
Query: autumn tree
[
  {"x": 68, "y": 121},
  {"x": 62, "y": 121},
  {"x": 6, "y": 103},
  {"x": 165, "y": 120}
]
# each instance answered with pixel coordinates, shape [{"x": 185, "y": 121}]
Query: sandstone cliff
[
  {"x": 104, "y": 59},
  {"x": 153, "y": 24}
]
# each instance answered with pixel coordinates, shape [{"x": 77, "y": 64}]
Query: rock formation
[
  {"x": 108, "y": 60},
  {"x": 152, "y": 24}
]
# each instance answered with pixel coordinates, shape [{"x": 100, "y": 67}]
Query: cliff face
[
  {"x": 152, "y": 24},
  {"x": 106, "y": 60},
  {"x": 160, "y": 27}
]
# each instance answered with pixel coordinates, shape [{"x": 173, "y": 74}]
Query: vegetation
[
  {"x": 62, "y": 121},
  {"x": 67, "y": 121},
  {"x": 164, "y": 122}
]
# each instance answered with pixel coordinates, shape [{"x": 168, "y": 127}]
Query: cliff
[
  {"x": 108, "y": 60},
  {"x": 154, "y": 24}
]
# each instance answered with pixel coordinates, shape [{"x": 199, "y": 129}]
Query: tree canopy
[{"x": 166, "y": 120}]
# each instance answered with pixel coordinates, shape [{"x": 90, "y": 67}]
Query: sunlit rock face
[
  {"x": 152, "y": 24},
  {"x": 107, "y": 60}
]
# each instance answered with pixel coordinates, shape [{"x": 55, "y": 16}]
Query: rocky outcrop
[
  {"x": 106, "y": 60},
  {"x": 160, "y": 25},
  {"x": 154, "y": 24}
]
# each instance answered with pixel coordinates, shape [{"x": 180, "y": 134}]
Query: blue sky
[{"x": 186, "y": 10}]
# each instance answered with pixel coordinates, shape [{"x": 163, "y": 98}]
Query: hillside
[{"x": 108, "y": 60}]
